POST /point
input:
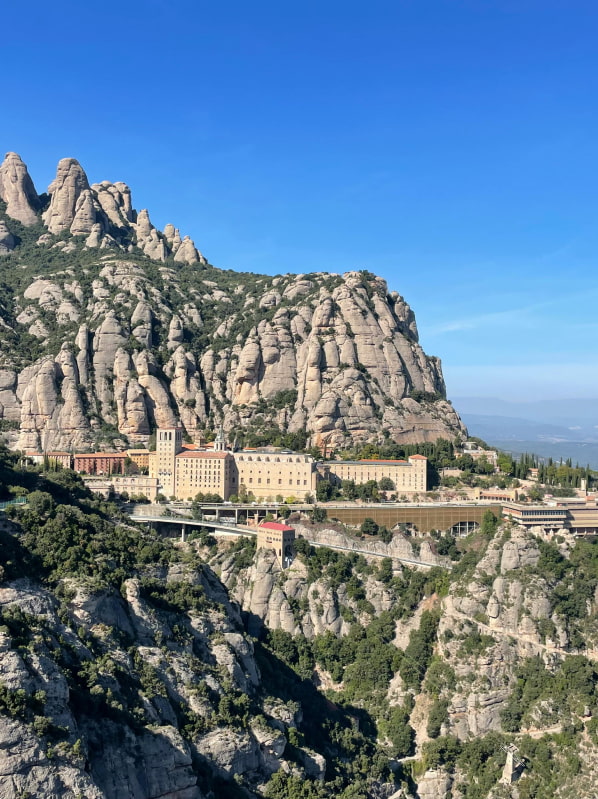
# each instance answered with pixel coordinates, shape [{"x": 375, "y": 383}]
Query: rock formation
[
  {"x": 65, "y": 190},
  {"x": 139, "y": 668},
  {"x": 7, "y": 240},
  {"x": 17, "y": 190},
  {"x": 336, "y": 356}
]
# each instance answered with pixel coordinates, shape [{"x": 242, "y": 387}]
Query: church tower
[
  {"x": 169, "y": 442},
  {"x": 220, "y": 440}
]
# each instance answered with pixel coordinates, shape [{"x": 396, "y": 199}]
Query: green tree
[
  {"x": 369, "y": 526},
  {"x": 318, "y": 514}
]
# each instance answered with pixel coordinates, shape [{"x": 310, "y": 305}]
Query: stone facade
[
  {"x": 205, "y": 472},
  {"x": 139, "y": 485},
  {"x": 140, "y": 457},
  {"x": 268, "y": 473},
  {"x": 63, "y": 459},
  {"x": 169, "y": 442},
  {"x": 278, "y": 537},
  {"x": 265, "y": 473},
  {"x": 408, "y": 477}
]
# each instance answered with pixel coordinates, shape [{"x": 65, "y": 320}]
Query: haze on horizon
[{"x": 447, "y": 146}]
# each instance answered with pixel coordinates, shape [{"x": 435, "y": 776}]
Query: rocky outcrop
[
  {"x": 65, "y": 190},
  {"x": 187, "y": 254},
  {"x": 332, "y": 364},
  {"x": 17, "y": 190},
  {"x": 271, "y": 595},
  {"x": 7, "y": 240},
  {"x": 143, "y": 722},
  {"x": 337, "y": 356}
]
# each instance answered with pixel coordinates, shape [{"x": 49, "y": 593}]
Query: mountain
[
  {"x": 558, "y": 429},
  {"x": 576, "y": 418},
  {"x": 135, "y": 667},
  {"x": 111, "y": 327}
]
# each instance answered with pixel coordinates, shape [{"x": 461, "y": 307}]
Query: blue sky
[{"x": 448, "y": 146}]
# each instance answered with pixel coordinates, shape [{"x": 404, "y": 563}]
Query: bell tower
[
  {"x": 220, "y": 440},
  {"x": 169, "y": 442}
]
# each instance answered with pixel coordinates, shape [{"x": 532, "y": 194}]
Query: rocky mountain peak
[
  {"x": 169, "y": 339},
  {"x": 17, "y": 190},
  {"x": 66, "y": 190}
]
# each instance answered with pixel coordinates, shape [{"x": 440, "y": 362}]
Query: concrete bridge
[
  {"x": 224, "y": 530},
  {"x": 461, "y": 518}
]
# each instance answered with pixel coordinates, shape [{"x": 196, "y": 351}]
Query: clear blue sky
[{"x": 448, "y": 146}]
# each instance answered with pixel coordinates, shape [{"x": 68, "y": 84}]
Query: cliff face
[
  {"x": 133, "y": 667},
  {"x": 505, "y": 665},
  {"x": 111, "y": 327}
]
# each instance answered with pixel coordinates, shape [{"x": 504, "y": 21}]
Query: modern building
[
  {"x": 408, "y": 477},
  {"x": 577, "y": 516},
  {"x": 279, "y": 537}
]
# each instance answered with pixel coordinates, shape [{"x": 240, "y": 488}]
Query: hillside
[
  {"x": 111, "y": 327},
  {"x": 135, "y": 668}
]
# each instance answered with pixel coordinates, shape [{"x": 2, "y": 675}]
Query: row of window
[{"x": 288, "y": 482}]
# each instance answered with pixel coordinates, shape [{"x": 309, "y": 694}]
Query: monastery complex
[
  {"x": 180, "y": 470},
  {"x": 266, "y": 472}
]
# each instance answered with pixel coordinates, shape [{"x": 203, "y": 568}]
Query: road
[{"x": 231, "y": 529}]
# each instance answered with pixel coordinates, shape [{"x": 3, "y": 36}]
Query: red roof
[
  {"x": 418, "y": 458},
  {"x": 277, "y": 526}
]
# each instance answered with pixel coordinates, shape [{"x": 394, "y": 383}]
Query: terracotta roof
[
  {"x": 277, "y": 526},
  {"x": 202, "y": 454},
  {"x": 418, "y": 457}
]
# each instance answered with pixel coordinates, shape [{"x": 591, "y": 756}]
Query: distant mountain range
[{"x": 549, "y": 428}]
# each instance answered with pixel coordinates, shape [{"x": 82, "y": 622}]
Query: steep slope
[
  {"x": 126, "y": 673},
  {"x": 128, "y": 670},
  {"x": 452, "y": 667},
  {"x": 110, "y": 327}
]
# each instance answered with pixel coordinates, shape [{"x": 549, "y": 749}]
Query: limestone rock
[
  {"x": 7, "y": 240},
  {"x": 434, "y": 785},
  {"x": 186, "y": 253},
  {"x": 95, "y": 236},
  {"x": 85, "y": 214},
  {"x": 175, "y": 332},
  {"x": 66, "y": 188},
  {"x": 115, "y": 202},
  {"x": 336, "y": 356},
  {"x": 17, "y": 190}
]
